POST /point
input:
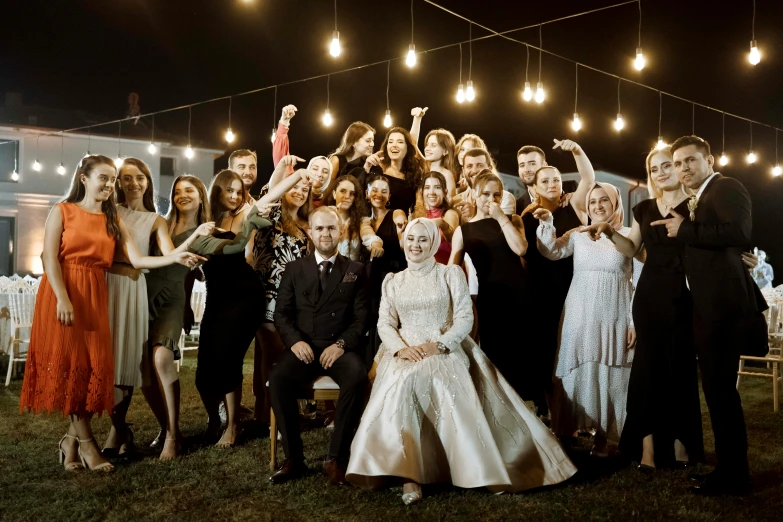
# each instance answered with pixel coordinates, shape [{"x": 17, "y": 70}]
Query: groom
[
  {"x": 320, "y": 314},
  {"x": 726, "y": 301}
]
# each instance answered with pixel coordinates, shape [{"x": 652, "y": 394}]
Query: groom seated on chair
[{"x": 320, "y": 314}]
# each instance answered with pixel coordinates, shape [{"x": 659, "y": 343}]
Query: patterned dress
[{"x": 273, "y": 249}]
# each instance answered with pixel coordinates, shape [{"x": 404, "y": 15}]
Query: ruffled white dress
[{"x": 450, "y": 418}]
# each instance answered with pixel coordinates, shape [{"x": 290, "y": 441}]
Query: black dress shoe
[
  {"x": 290, "y": 469},
  {"x": 645, "y": 469},
  {"x": 717, "y": 487},
  {"x": 335, "y": 472},
  {"x": 700, "y": 477}
]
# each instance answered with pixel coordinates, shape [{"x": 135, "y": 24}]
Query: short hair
[
  {"x": 484, "y": 177},
  {"x": 652, "y": 188},
  {"x": 700, "y": 143},
  {"x": 527, "y": 149},
  {"x": 476, "y": 152},
  {"x": 241, "y": 153},
  {"x": 321, "y": 210}
]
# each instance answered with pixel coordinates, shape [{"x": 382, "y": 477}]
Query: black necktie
[{"x": 325, "y": 267}]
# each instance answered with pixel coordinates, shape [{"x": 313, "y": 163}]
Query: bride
[{"x": 439, "y": 411}]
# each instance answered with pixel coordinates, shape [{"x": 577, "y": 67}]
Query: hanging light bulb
[
  {"x": 540, "y": 94},
  {"x": 189, "y": 152},
  {"x": 229, "y": 135},
  {"x": 619, "y": 123},
  {"x": 470, "y": 93},
  {"x": 576, "y": 124},
  {"x": 527, "y": 94},
  {"x": 410, "y": 59},
  {"x": 61, "y": 170},
  {"x": 152, "y": 149},
  {"x": 640, "y": 60},
  {"x": 334, "y": 47},
  {"x": 661, "y": 144},
  {"x": 272, "y": 139},
  {"x": 723, "y": 160},
  {"x": 754, "y": 57},
  {"x": 118, "y": 161},
  {"x": 460, "y": 94},
  {"x": 37, "y": 165},
  {"x": 776, "y": 171},
  {"x": 752, "y": 157},
  {"x": 14, "y": 176},
  {"x": 387, "y": 121},
  {"x": 327, "y": 118}
]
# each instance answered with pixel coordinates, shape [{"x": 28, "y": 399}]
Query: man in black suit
[
  {"x": 725, "y": 302},
  {"x": 529, "y": 159},
  {"x": 320, "y": 314}
]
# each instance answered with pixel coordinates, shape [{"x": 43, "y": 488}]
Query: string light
[
  {"x": 776, "y": 170},
  {"x": 189, "y": 150},
  {"x": 619, "y": 123},
  {"x": 229, "y": 133},
  {"x": 152, "y": 149},
  {"x": 751, "y": 158},
  {"x": 723, "y": 160},
  {"x": 470, "y": 92},
  {"x": 661, "y": 144},
  {"x": 15, "y": 174},
  {"x": 274, "y": 118},
  {"x": 89, "y": 140},
  {"x": 334, "y": 47},
  {"x": 410, "y": 60},
  {"x": 61, "y": 169},
  {"x": 540, "y": 94},
  {"x": 387, "y": 119},
  {"x": 460, "y": 89},
  {"x": 527, "y": 93},
  {"x": 327, "y": 117},
  {"x": 754, "y": 56},
  {"x": 118, "y": 161},
  {"x": 576, "y": 124},
  {"x": 36, "y": 164},
  {"x": 640, "y": 61}
]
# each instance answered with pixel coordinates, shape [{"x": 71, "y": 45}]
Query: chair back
[{"x": 22, "y": 306}]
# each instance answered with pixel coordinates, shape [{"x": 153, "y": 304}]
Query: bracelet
[{"x": 340, "y": 344}]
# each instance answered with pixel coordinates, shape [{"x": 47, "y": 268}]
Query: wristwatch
[
  {"x": 340, "y": 344},
  {"x": 442, "y": 348}
]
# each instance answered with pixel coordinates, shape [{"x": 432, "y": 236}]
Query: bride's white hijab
[{"x": 432, "y": 232}]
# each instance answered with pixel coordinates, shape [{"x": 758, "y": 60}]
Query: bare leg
[
  {"x": 118, "y": 435},
  {"x": 648, "y": 451},
  {"x": 88, "y": 448},
  {"x": 213, "y": 418},
  {"x": 168, "y": 382},
  {"x": 233, "y": 400},
  {"x": 680, "y": 452}
]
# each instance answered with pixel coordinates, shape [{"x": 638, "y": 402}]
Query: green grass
[{"x": 217, "y": 485}]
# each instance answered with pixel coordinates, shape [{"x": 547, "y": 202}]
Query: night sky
[{"x": 88, "y": 55}]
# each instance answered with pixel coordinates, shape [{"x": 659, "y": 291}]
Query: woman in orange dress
[{"x": 70, "y": 364}]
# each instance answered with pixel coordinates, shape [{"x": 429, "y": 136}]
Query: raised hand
[
  {"x": 265, "y": 208},
  {"x": 495, "y": 212},
  {"x": 373, "y": 160},
  {"x": 289, "y": 111},
  {"x": 567, "y": 145},
  {"x": 290, "y": 160},
  {"x": 418, "y": 112}
]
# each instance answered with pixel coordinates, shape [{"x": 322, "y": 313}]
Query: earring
[{"x": 388, "y": 203}]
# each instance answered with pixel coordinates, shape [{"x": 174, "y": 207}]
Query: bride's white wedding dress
[{"x": 450, "y": 418}]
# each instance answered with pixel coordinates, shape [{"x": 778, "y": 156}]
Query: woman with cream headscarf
[
  {"x": 439, "y": 411},
  {"x": 597, "y": 337}
]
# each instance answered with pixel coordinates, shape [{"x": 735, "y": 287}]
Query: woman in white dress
[
  {"x": 594, "y": 359},
  {"x": 439, "y": 411}
]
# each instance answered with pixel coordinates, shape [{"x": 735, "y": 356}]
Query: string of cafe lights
[{"x": 468, "y": 95}]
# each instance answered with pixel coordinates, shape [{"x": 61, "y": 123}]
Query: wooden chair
[
  {"x": 774, "y": 360},
  {"x": 323, "y": 389}
]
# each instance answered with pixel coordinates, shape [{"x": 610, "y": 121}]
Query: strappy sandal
[
  {"x": 71, "y": 466},
  {"x": 105, "y": 467}
]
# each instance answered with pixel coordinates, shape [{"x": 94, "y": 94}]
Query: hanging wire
[
  {"x": 723, "y": 132},
  {"x": 776, "y": 147},
  {"x": 328, "y": 79},
  {"x": 460, "y": 64},
  {"x": 152, "y": 138},
  {"x": 470, "y": 46},
  {"x": 62, "y": 145},
  {"x": 230, "y": 99},
  {"x": 190, "y": 120},
  {"x": 274, "y": 112},
  {"x": 540, "y": 49},
  {"x": 388, "y": 69},
  {"x": 89, "y": 141},
  {"x": 335, "y": 15},
  {"x": 618, "y": 96},
  {"x": 36, "y": 146},
  {"x": 693, "y": 119},
  {"x": 411, "y": 21},
  {"x": 660, "y": 111},
  {"x": 751, "y": 136},
  {"x": 640, "y": 23},
  {"x": 753, "y": 24},
  {"x": 527, "y": 61},
  {"x": 576, "y": 88}
]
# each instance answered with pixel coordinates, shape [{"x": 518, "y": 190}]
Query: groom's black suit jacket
[{"x": 304, "y": 313}]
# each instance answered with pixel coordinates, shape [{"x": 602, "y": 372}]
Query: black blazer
[
  {"x": 720, "y": 284},
  {"x": 339, "y": 313},
  {"x": 523, "y": 201}
]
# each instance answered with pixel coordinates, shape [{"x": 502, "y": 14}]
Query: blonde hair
[{"x": 652, "y": 188}]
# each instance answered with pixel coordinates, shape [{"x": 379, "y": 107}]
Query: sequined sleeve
[
  {"x": 462, "y": 308},
  {"x": 551, "y": 246},
  {"x": 388, "y": 320}
]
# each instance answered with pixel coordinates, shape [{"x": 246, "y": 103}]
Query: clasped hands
[
  {"x": 328, "y": 357},
  {"x": 418, "y": 353}
]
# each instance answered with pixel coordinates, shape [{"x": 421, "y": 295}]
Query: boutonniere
[
  {"x": 350, "y": 277},
  {"x": 693, "y": 204}
]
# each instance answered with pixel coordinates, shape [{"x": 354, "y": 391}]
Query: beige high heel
[
  {"x": 412, "y": 497},
  {"x": 71, "y": 466},
  {"x": 106, "y": 467}
]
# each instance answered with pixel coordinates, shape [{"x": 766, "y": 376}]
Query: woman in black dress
[
  {"x": 386, "y": 254},
  {"x": 495, "y": 244},
  {"x": 235, "y": 297},
  {"x": 663, "y": 423},
  {"x": 356, "y": 144}
]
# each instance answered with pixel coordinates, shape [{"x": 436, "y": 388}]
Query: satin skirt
[
  {"x": 129, "y": 323},
  {"x": 452, "y": 419}
]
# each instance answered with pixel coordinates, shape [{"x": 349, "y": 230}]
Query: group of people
[{"x": 419, "y": 279}]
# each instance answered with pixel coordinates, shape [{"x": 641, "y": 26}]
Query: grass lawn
[{"x": 212, "y": 484}]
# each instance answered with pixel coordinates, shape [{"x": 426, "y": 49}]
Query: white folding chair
[
  {"x": 198, "y": 298},
  {"x": 22, "y": 307}
]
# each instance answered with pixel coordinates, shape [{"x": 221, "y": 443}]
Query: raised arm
[
  {"x": 277, "y": 190},
  {"x": 586, "y": 173},
  {"x": 512, "y": 229},
  {"x": 388, "y": 320},
  {"x": 418, "y": 115},
  {"x": 281, "y": 145}
]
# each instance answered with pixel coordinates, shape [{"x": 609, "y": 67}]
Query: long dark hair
[
  {"x": 204, "y": 213},
  {"x": 357, "y": 210},
  {"x": 413, "y": 164},
  {"x": 352, "y": 134},
  {"x": 148, "y": 198},
  {"x": 420, "y": 210},
  {"x": 220, "y": 183},
  {"x": 77, "y": 191}
]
